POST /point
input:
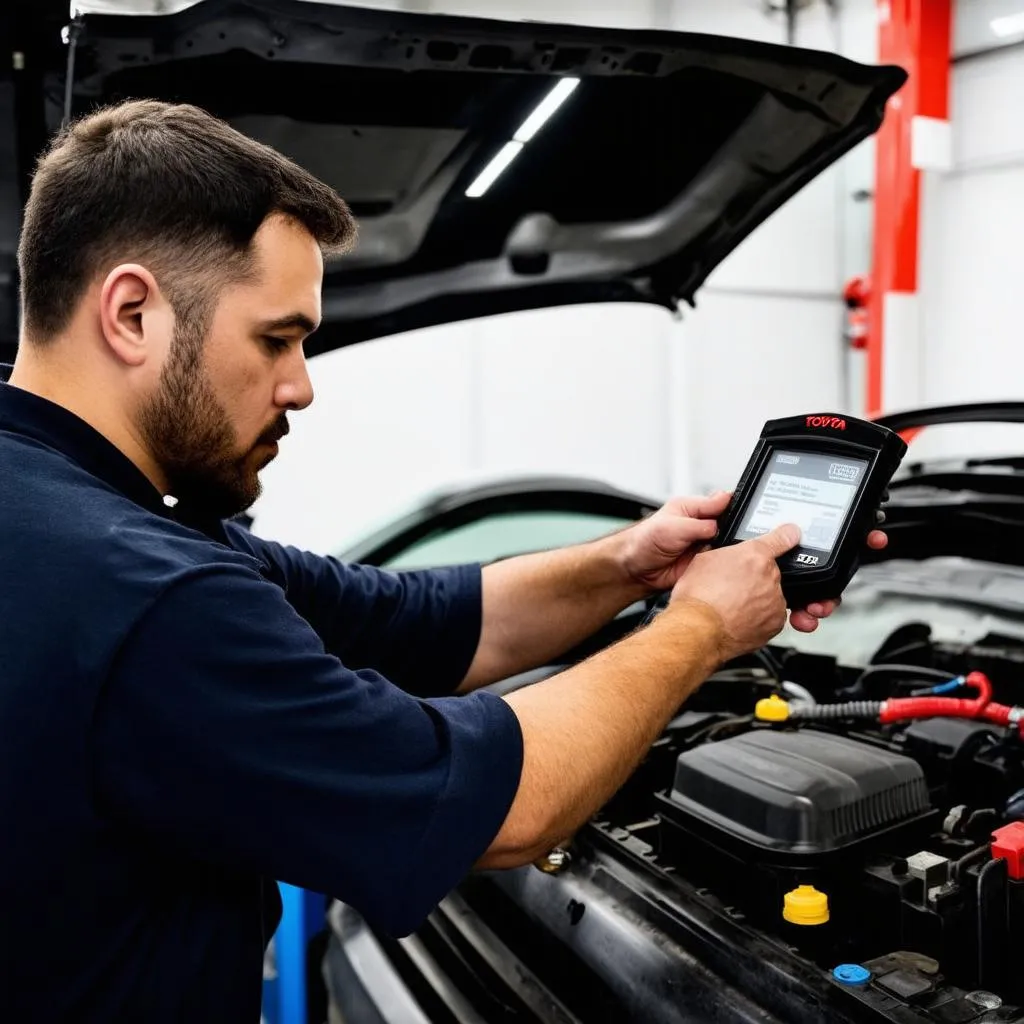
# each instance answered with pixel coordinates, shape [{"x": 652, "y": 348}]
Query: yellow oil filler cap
[
  {"x": 805, "y": 905},
  {"x": 772, "y": 709}
]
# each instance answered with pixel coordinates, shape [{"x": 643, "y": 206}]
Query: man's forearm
[
  {"x": 537, "y": 606},
  {"x": 586, "y": 730}
]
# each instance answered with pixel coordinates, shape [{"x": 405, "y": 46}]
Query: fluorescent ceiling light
[
  {"x": 1008, "y": 26},
  {"x": 547, "y": 106},
  {"x": 533, "y": 124},
  {"x": 489, "y": 175}
]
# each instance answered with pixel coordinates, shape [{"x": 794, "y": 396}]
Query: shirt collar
[{"x": 22, "y": 412}]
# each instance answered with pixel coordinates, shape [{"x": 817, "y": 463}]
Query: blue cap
[{"x": 852, "y": 974}]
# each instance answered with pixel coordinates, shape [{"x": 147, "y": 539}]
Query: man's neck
[{"x": 38, "y": 375}]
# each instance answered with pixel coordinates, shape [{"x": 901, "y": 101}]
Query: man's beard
[{"x": 191, "y": 438}]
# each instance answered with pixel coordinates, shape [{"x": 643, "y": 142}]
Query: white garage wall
[
  {"x": 973, "y": 248},
  {"x": 578, "y": 390},
  {"x": 625, "y": 393},
  {"x": 750, "y": 359}
]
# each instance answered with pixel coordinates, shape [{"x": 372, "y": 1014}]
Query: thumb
[{"x": 781, "y": 539}]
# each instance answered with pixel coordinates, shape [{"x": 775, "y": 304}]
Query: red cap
[{"x": 1008, "y": 845}]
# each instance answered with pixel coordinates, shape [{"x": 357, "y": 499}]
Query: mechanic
[{"x": 188, "y": 712}]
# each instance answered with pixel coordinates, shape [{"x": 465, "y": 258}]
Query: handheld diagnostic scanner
[{"x": 828, "y": 474}]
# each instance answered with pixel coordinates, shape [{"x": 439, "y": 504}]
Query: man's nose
[{"x": 296, "y": 390}]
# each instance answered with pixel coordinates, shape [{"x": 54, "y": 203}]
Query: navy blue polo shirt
[{"x": 187, "y": 713}]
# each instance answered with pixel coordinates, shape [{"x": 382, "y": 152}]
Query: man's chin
[
  {"x": 247, "y": 497},
  {"x": 212, "y": 499}
]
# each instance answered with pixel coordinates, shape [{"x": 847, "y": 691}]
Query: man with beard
[{"x": 188, "y": 712}]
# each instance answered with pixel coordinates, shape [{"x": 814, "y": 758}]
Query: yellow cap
[
  {"x": 772, "y": 709},
  {"x": 805, "y": 905}
]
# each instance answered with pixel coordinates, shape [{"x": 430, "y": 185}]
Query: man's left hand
[{"x": 659, "y": 549}]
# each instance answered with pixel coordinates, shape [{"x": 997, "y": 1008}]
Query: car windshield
[
  {"x": 960, "y": 600},
  {"x": 502, "y": 535}
]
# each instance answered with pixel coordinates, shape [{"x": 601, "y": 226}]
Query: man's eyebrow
[{"x": 288, "y": 323}]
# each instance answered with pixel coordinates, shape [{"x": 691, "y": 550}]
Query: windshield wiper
[
  {"x": 990, "y": 479},
  {"x": 969, "y": 412}
]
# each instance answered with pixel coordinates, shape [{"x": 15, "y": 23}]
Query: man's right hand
[{"x": 741, "y": 584}]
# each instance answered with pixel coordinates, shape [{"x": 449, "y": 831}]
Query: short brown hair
[{"x": 166, "y": 185}]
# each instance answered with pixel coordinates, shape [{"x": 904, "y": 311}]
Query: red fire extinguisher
[{"x": 856, "y": 295}]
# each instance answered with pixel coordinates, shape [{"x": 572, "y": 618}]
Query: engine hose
[
  {"x": 850, "y": 709},
  {"x": 902, "y": 708}
]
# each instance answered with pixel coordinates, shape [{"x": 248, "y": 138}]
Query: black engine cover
[{"x": 801, "y": 793}]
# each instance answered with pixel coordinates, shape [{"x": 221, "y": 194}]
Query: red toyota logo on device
[{"x": 829, "y": 422}]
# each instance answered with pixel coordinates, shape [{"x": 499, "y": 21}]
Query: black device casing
[{"x": 822, "y": 434}]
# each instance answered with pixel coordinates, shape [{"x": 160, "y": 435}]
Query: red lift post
[{"x": 914, "y": 137}]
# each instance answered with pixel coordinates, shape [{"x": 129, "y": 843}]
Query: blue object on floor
[
  {"x": 290, "y": 947},
  {"x": 285, "y": 999}
]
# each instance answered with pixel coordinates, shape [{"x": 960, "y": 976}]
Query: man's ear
[{"x": 134, "y": 314}]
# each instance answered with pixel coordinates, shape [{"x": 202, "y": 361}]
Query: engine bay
[
  {"x": 828, "y": 831},
  {"x": 868, "y": 821}
]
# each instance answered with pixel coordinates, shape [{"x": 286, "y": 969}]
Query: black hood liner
[{"x": 671, "y": 150}]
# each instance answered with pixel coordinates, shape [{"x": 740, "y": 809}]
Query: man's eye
[{"x": 276, "y": 344}]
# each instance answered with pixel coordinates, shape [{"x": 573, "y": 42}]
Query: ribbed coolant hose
[{"x": 850, "y": 709}]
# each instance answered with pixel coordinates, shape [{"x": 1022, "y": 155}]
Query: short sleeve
[
  {"x": 227, "y": 731},
  {"x": 419, "y": 628}
]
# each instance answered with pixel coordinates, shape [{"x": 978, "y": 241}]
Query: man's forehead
[{"x": 280, "y": 230}]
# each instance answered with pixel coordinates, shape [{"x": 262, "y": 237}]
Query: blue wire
[{"x": 953, "y": 684}]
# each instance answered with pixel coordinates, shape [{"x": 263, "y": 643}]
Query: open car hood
[{"x": 668, "y": 152}]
